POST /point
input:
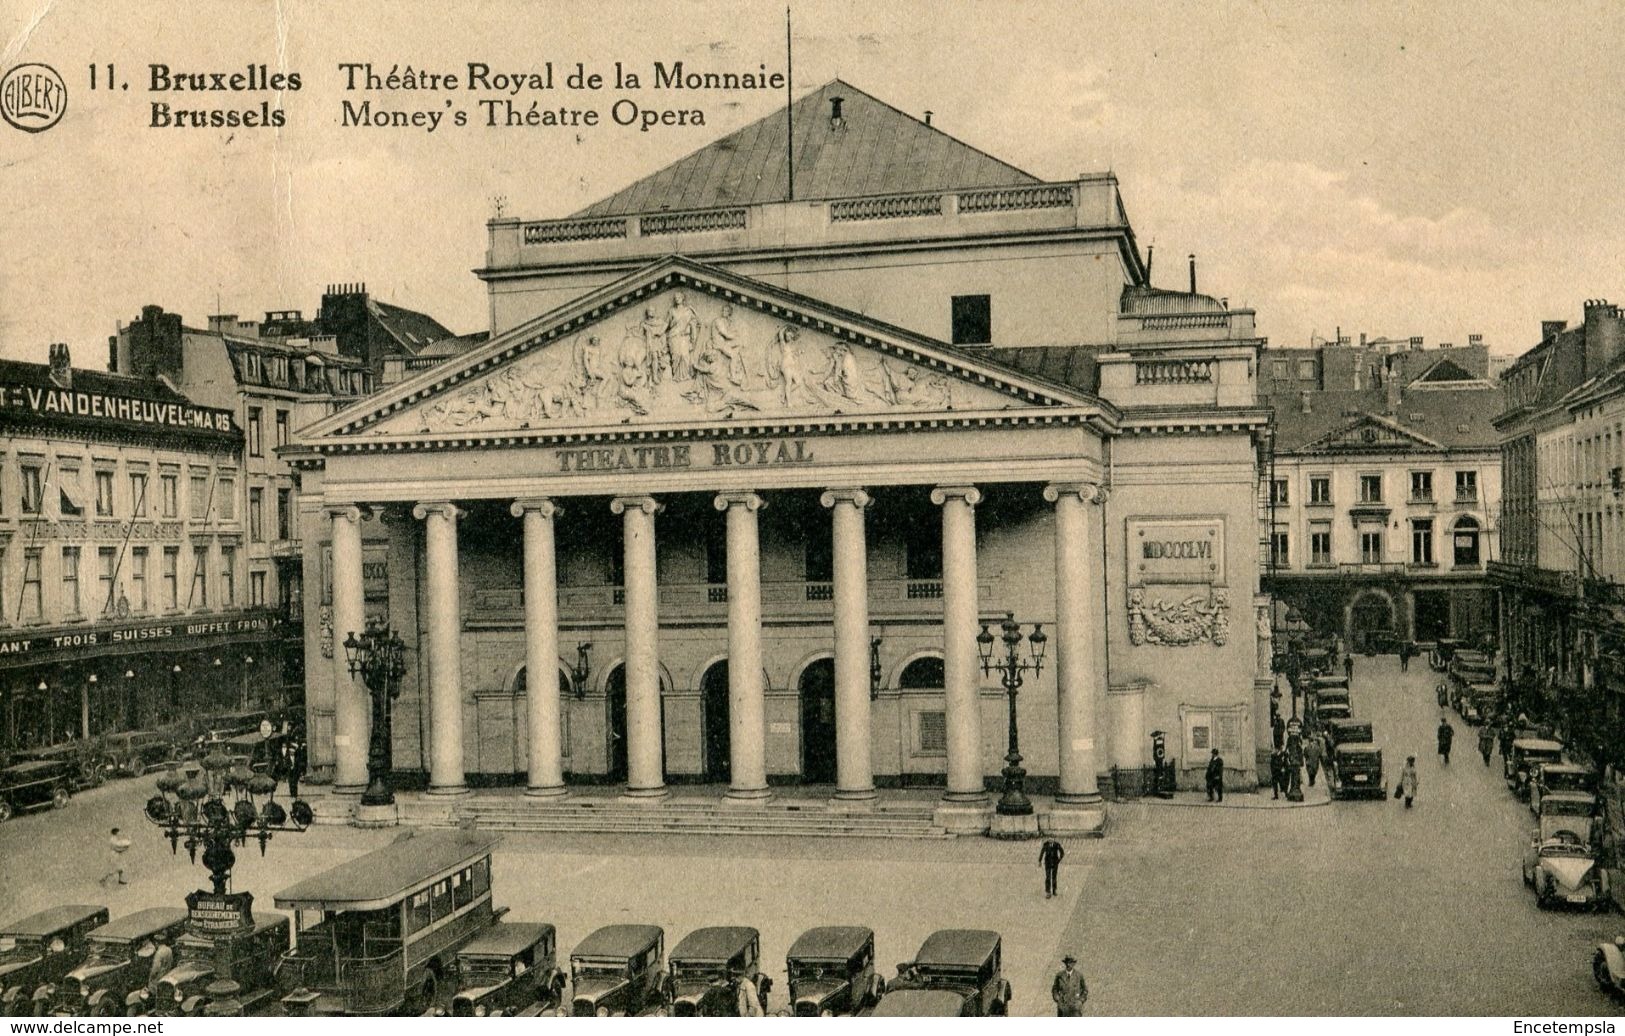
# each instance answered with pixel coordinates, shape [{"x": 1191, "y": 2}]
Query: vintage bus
[{"x": 379, "y": 935}]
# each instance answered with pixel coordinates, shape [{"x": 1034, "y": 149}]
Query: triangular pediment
[
  {"x": 680, "y": 344},
  {"x": 1372, "y": 432}
]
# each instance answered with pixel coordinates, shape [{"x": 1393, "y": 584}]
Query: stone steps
[{"x": 611, "y": 817}]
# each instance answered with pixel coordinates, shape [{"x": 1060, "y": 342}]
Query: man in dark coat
[
  {"x": 1277, "y": 772},
  {"x": 1215, "y": 777},
  {"x": 1050, "y": 855},
  {"x": 1348, "y": 665},
  {"x": 1447, "y": 734},
  {"x": 1503, "y": 738},
  {"x": 1311, "y": 757},
  {"x": 1069, "y": 991},
  {"x": 1486, "y": 742}
]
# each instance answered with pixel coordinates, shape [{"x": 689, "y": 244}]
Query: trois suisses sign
[{"x": 80, "y": 406}]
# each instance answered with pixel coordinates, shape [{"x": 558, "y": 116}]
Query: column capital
[
  {"x": 970, "y": 494},
  {"x": 439, "y": 508},
  {"x": 746, "y": 498},
  {"x": 846, "y": 495},
  {"x": 1088, "y": 492},
  {"x": 646, "y": 504},
  {"x": 349, "y": 512},
  {"x": 540, "y": 504}
]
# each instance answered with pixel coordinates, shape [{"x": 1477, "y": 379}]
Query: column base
[
  {"x": 376, "y": 816},
  {"x": 1013, "y": 827},
  {"x": 959, "y": 818},
  {"x": 747, "y": 797},
  {"x": 349, "y": 789},
  {"x": 550, "y": 791},
  {"x": 645, "y": 796},
  {"x": 448, "y": 789},
  {"x": 1077, "y": 819},
  {"x": 856, "y": 800}
]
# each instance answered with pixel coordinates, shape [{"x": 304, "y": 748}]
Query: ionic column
[
  {"x": 546, "y": 751},
  {"x": 445, "y": 648},
  {"x": 350, "y": 704},
  {"x": 1079, "y": 674},
  {"x": 645, "y": 778},
  {"x": 854, "y": 770},
  {"x": 747, "y": 711},
  {"x": 960, "y": 663}
]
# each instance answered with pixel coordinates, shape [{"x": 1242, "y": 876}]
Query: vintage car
[
  {"x": 706, "y": 968},
  {"x": 923, "y": 1003},
  {"x": 1325, "y": 714},
  {"x": 252, "y": 957},
  {"x": 964, "y": 962},
  {"x": 78, "y": 758},
  {"x": 1355, "y": 768},
  {"x": 617, "y": 970},
  {"x": 1562, "y": 869},
  {"x": 508, "y": 970},
  {"x": 40, "y": 949},
  {"x": 1346, "y": 731},
  {"x": 37, "y": 784},
  {"x": 1478, "y": 701},
  {"x": 832, "y": 972},
  {"x": 223, "y": 726},
  {"x": 137, "y": 752},
  {"x": 118, "y": 960},
  {"x": 1334, "y": 696},
  {"x": 1608, "y": 966},
  {"x": 1443, "y": 650},
  {"x": 1526, "y": 754},
  {"x": 1548, "y": 777}
]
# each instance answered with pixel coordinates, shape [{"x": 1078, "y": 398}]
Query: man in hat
[
  {"x": 750, "y": 1001},
  {"x": 1215, "y": 777},
  {"x": 1050, "y": 855},
  {"x": 1069, "y": 990}
]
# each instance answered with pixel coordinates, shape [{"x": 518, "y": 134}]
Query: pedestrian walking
[
  {"x": 1311, "y": 757},
  {"x": 293, "y": 761},
  {"x": 1069, "y": 991},
  {"x": 1348, "y": 665},
  {"x": 1277, "y": 772},
  {"x": 1050, "y": 855},
  {"x": 1447, "y": 734},
  {"x": 117, "y": 845},
  {"x": 1486, "y": 742},
  {"x": 1504, "y": 739},
  {"x": 1215, "y": 777},
  {"x": 163, "y": 961},
  {"x": 1405, "y": 657},
  {"x": 1407, "y": 781}
]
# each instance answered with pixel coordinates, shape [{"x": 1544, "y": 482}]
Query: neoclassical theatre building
[{"x": 744, "y": 467}]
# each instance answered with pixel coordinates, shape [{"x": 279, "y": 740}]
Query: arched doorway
[
  {"x": 714, "y": 722},
  {"x": 566, "y": 689},
  {"x": 1464, "y": 542},
  {"x": 1371, "y": 622},
  {"x": 817, "y": 689},
  {"x": 615, "y": 703}
]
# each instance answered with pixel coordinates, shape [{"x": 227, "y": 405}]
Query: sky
[{"x": 1408, "y": 169}]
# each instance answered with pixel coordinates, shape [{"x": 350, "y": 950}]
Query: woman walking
[{"x": 1407, "y": 781}]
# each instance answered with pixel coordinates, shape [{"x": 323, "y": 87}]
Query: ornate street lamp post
[
  {"x": 222, "y": 806},
  {"x": 1014, "y": 801},
  {"x": 377, "y": 656}
]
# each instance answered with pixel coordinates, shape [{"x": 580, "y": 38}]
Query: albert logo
[{"x": 33, "y": 97}]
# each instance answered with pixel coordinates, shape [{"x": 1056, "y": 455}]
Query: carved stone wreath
[{"x": 1197, "y": 619}]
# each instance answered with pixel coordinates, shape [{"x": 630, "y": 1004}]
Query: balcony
[{"x": 1371, "y": 568}]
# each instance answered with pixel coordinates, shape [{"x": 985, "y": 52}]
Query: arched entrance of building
[
  {"x": 1464, "y": 542},
  {"x": 817, "y": 687},
  {"x": 714, "y": 722},
  {"x": 615, "y": 725},
  {"x": 1371, "y": 622}
]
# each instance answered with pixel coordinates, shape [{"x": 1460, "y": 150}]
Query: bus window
[
  {"x": 462, "y": 889},
  {"x": 417, "y": 912},
  {"x": 482, "y": 877},
  {"x": 442, "y": 899}
]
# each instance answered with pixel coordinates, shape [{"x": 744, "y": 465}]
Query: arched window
[
  {"x": 921, "y": 673},
  {"x": 1464, "y": 537}
]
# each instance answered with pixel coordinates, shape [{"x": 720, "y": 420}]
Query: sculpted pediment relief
[{"x": 685, "y": 355}]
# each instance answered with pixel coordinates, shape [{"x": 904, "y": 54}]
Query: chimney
[
  {"x": 1391, "y": 381},
  {"x": 1150, "y": 250},
  {"x": 1303, "y": 403},
  {"x": 1362, "y": 339},
  {"x": 835, "y": 120},
  {"x": 1475, "y": 340},
  {"x": 927, "y": 116},
  {"x": 1193, "y": 273},
  {"x": 1551, "y": 328},
  {"x": 61, "y": 366},
  {"x": 1604, "y": 336},
  {"x": 1416, "y": 342}
]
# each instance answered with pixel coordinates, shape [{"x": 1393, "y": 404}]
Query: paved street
[{"x": 1348, "y": 908}]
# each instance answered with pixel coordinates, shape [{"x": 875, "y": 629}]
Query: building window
[
  {"x": 68, "y": 490},
  {"x": 104, "y": 494},
  {"x": 1422, "y": 541},
  {"x": 70, "y": 581},
  {"x": 973, "y": 319},
  {"x": 1306, "y": 370},
  {"x": 228, "y": 498},
  {"x": 228, "y": 577},
  {"x": 200, "y": 495},
  {"x": 1278, "y": 492},
  {"x": 282, "y": 428},
  {"x": 138, "y": 579},
  {"x": 254, "y": 423},
  {"x": 33, "y": 489},
  {"x": 169, "y": 489},
  {"x": 138, "y": 494},
  {"x": 1422, "y": 485},
  {"x": 1464, "y": 542},
  {"x": 1466, "y": 487},
  {"x": 1320, "y": 489},
  {"x": 1320, "y": 543},
  {"x": 1370, "y": 489},
  {"x": 33, "y": 606},
  {"x": 200, "y": 578},
  {"x": 171, "y": 577},
  {"x": 1280, "y": 370},
  {"x": 1371, "y": 547},
  {"x": 256, "y": 514},
  {"x": 106, "y": 559},
  {"x": 1280, "y": 555},
  {"x": 256, "y": 589},
  {"x": 284, "y": 514}
]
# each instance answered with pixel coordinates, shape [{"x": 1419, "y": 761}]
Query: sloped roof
[
  {"x": 1455, "y": 420},
  {"x": 1444, "y": 372},
  {"x": 880, "y": 150},
  {"x": 415, "y": 331},
  {"x": 1076, "y": 366}
]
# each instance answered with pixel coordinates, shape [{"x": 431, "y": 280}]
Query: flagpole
[{"x": 789, "y": 116}]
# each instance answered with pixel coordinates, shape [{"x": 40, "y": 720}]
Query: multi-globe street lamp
[
  {"x": 1013, "y": 801},
  {"x": 377, "y": 655}
]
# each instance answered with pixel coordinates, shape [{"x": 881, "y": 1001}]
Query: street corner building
[{"x": 755, "y": 450}]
